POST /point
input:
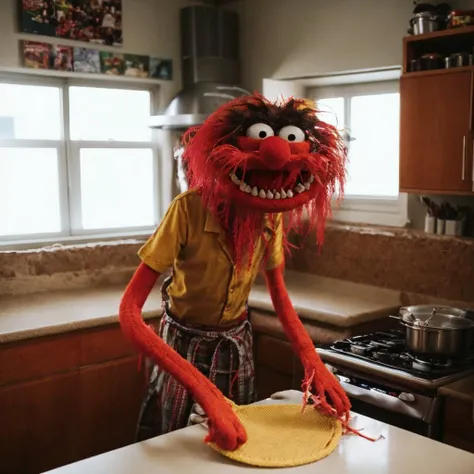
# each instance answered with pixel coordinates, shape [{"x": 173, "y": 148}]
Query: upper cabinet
[{"x": 436, "y": 115}]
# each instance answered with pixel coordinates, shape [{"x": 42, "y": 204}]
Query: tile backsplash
[{"x": 402, "y": 259}]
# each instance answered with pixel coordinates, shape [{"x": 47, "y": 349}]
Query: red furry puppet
[{"x": 251, "y": 161}]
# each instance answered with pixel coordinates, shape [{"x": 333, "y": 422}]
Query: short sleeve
[
  {"x": 161, "y": 249},
  {"x": 276, "y": 251}
]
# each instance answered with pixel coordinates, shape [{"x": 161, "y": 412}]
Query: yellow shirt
[{"x": 206, "y": 288}]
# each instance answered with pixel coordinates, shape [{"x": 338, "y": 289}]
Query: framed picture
[
  {"x": 87, "y": 60},
  {"x": 61, "y": 58},
  {"x": 161, "y": 69},
  {"x": 137, "y": 65},
  {"x": 36, "y": 55},
  {"x": 112, "y": 63},
  {"x": 95, "y": 21}
]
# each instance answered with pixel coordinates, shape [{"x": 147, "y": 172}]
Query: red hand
[
  {"x": 317, "y": 375},
  {"x": 225, "y": 428}
]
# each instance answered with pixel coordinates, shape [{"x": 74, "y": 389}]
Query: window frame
[
  {"x": 69, "y": 167},
  {"x": 375, "y": 210}
]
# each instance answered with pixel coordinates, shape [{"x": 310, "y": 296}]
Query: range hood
[{"x": 210, "y": 67}]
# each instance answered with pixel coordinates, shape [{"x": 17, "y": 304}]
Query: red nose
[{"x": 275, "y": 152}]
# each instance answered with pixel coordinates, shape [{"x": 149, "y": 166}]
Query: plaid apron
[{"x": 223, "y": 355}]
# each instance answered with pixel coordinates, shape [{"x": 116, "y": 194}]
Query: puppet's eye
[
  {"x": 259, "y": 131},
  {"x": 292, "y": 134}
]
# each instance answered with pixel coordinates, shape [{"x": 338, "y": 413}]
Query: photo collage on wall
[
  {"x": 92, "y": 21},
  {"x": 85, "y": 60}
]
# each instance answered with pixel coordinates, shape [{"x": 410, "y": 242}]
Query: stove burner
[
  {"x": 431, "y": 365},
  {"x": 389, "y": 349}
]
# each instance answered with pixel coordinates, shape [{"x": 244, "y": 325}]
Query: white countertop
[{"x": 183, "y": 451}]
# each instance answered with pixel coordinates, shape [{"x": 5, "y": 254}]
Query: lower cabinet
[
  {"x": 66, "y": 398},
  {"x": 276, "y": 366},
  {"x": 459, "y": 423},
  {"x": 109, "y": 403},
  {"x": 39, "y": 425}
]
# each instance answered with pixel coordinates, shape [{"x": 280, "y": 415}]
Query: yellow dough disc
[{"x": 284, "y": 435}]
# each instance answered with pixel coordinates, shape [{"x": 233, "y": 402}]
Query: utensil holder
[
  {"x": 430, "y": 224},
  {"x": 454, "y": 227},
  {"x": 440, "y": 226}
]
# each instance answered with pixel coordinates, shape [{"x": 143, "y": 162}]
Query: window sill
[
  {"x": 379, "y": 212},
  {"x": 58, "y": 242}
]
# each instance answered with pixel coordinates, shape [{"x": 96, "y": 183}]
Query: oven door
[{"x": 407, "y": 410}]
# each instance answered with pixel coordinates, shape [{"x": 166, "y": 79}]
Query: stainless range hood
[{"x": 210, "y": 67}]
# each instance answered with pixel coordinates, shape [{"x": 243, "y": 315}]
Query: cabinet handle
[
  {"x": 472, "y": 172},
  {"x": 463, "y": 172}
]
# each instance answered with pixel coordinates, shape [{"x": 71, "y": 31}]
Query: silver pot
[
  {"x": 425, "y": 22},
  {"x": 437, "y": 330}
]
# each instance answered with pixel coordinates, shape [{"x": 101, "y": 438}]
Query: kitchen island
[{"x": 183, "y": 451}]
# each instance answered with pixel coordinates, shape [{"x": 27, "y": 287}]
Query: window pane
[
  {"x": 374, "y": 155},
  {"x": 103, "y": 114},
  {"x": 29, "y": 191},
  {"x": 117, "y": 188},
  {"x": 332, "y": 111},
  {"x": 30, "y": 112}
]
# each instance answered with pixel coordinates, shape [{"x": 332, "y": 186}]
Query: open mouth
[{"x": 266, "y": 184}]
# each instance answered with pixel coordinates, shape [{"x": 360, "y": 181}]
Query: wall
[
  {"x": 296, "y": 38},
  {"x": 150, "y": 27}
]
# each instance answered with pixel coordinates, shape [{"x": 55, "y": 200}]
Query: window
[
  {"x": 75, "y": 160},
  {"x": 368, "y": 117}
]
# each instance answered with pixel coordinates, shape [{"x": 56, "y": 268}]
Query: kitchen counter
[
  {"x": 331, "y": 301},
  {"x": 317, "y": 299},
  {"x": 399, "y": 452},
  {"x": 460, "y": 389}
]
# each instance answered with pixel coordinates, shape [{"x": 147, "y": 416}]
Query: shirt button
[{"x": 231, "y": 290}]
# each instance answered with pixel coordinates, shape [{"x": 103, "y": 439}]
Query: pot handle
[{"x": 395, "y": 317}]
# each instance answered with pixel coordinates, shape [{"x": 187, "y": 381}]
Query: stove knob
[{"x": 407, "y": 397}]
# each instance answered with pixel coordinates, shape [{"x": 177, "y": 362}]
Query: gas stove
[
  {"x": 385, "y": 352},
  {"x": 387, "y": 382}
]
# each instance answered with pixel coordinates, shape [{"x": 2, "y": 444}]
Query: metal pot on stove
[{"x": 437, "y": 331}]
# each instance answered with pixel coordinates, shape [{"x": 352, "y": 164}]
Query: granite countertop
[
  {"x": 398, "y": 452},
  {"x": 462, "y": 389},
  {"x": 331, "y": 301},
  {"x": 319, "y": 299}
]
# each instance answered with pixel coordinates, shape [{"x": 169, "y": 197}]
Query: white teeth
[
  {"x": 248, "y": 189},
  {"x": 255, "y": 191},
  {"x": 262, "y": 194},
  {"x": 242, "y": 186},
  {"x": 300, "y": 188},
  {"x": 269, "y": 195},
  {"x": 311, "y": 179},
  {"x": 277, "y": 195},
  {"x": 289, "y": 193},
  {"x": 234, "y": 178},
  {"x": 283, "y": 194},
  {"x": 307, "y": 186}
]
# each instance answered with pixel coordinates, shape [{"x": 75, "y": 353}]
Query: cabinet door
[
  {"x": 110, "y": 399},
  {"x": 435, "y": 139},
  {"x": 38, "y": 425}
]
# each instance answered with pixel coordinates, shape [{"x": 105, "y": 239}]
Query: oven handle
[{"x": 420, "y": 408}]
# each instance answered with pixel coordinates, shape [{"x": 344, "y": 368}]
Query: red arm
[
  {"x": 316, "y": 372},
  {"x": 224, "y": 427}
]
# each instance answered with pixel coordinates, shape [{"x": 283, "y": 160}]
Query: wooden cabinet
[
  {"x": 436, "y": 140},
  {"x": 109, "y": 403},
  {"x": 39, "y": 425},
  {"x": 67, "y": 397},
  {"x": 459, "y": 423},
  {"x": 436, "y": 115}
]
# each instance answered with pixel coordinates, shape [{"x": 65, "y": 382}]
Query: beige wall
[
  {"x": 151, "y": 27},
  {"x": 296, "y": 38}
]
